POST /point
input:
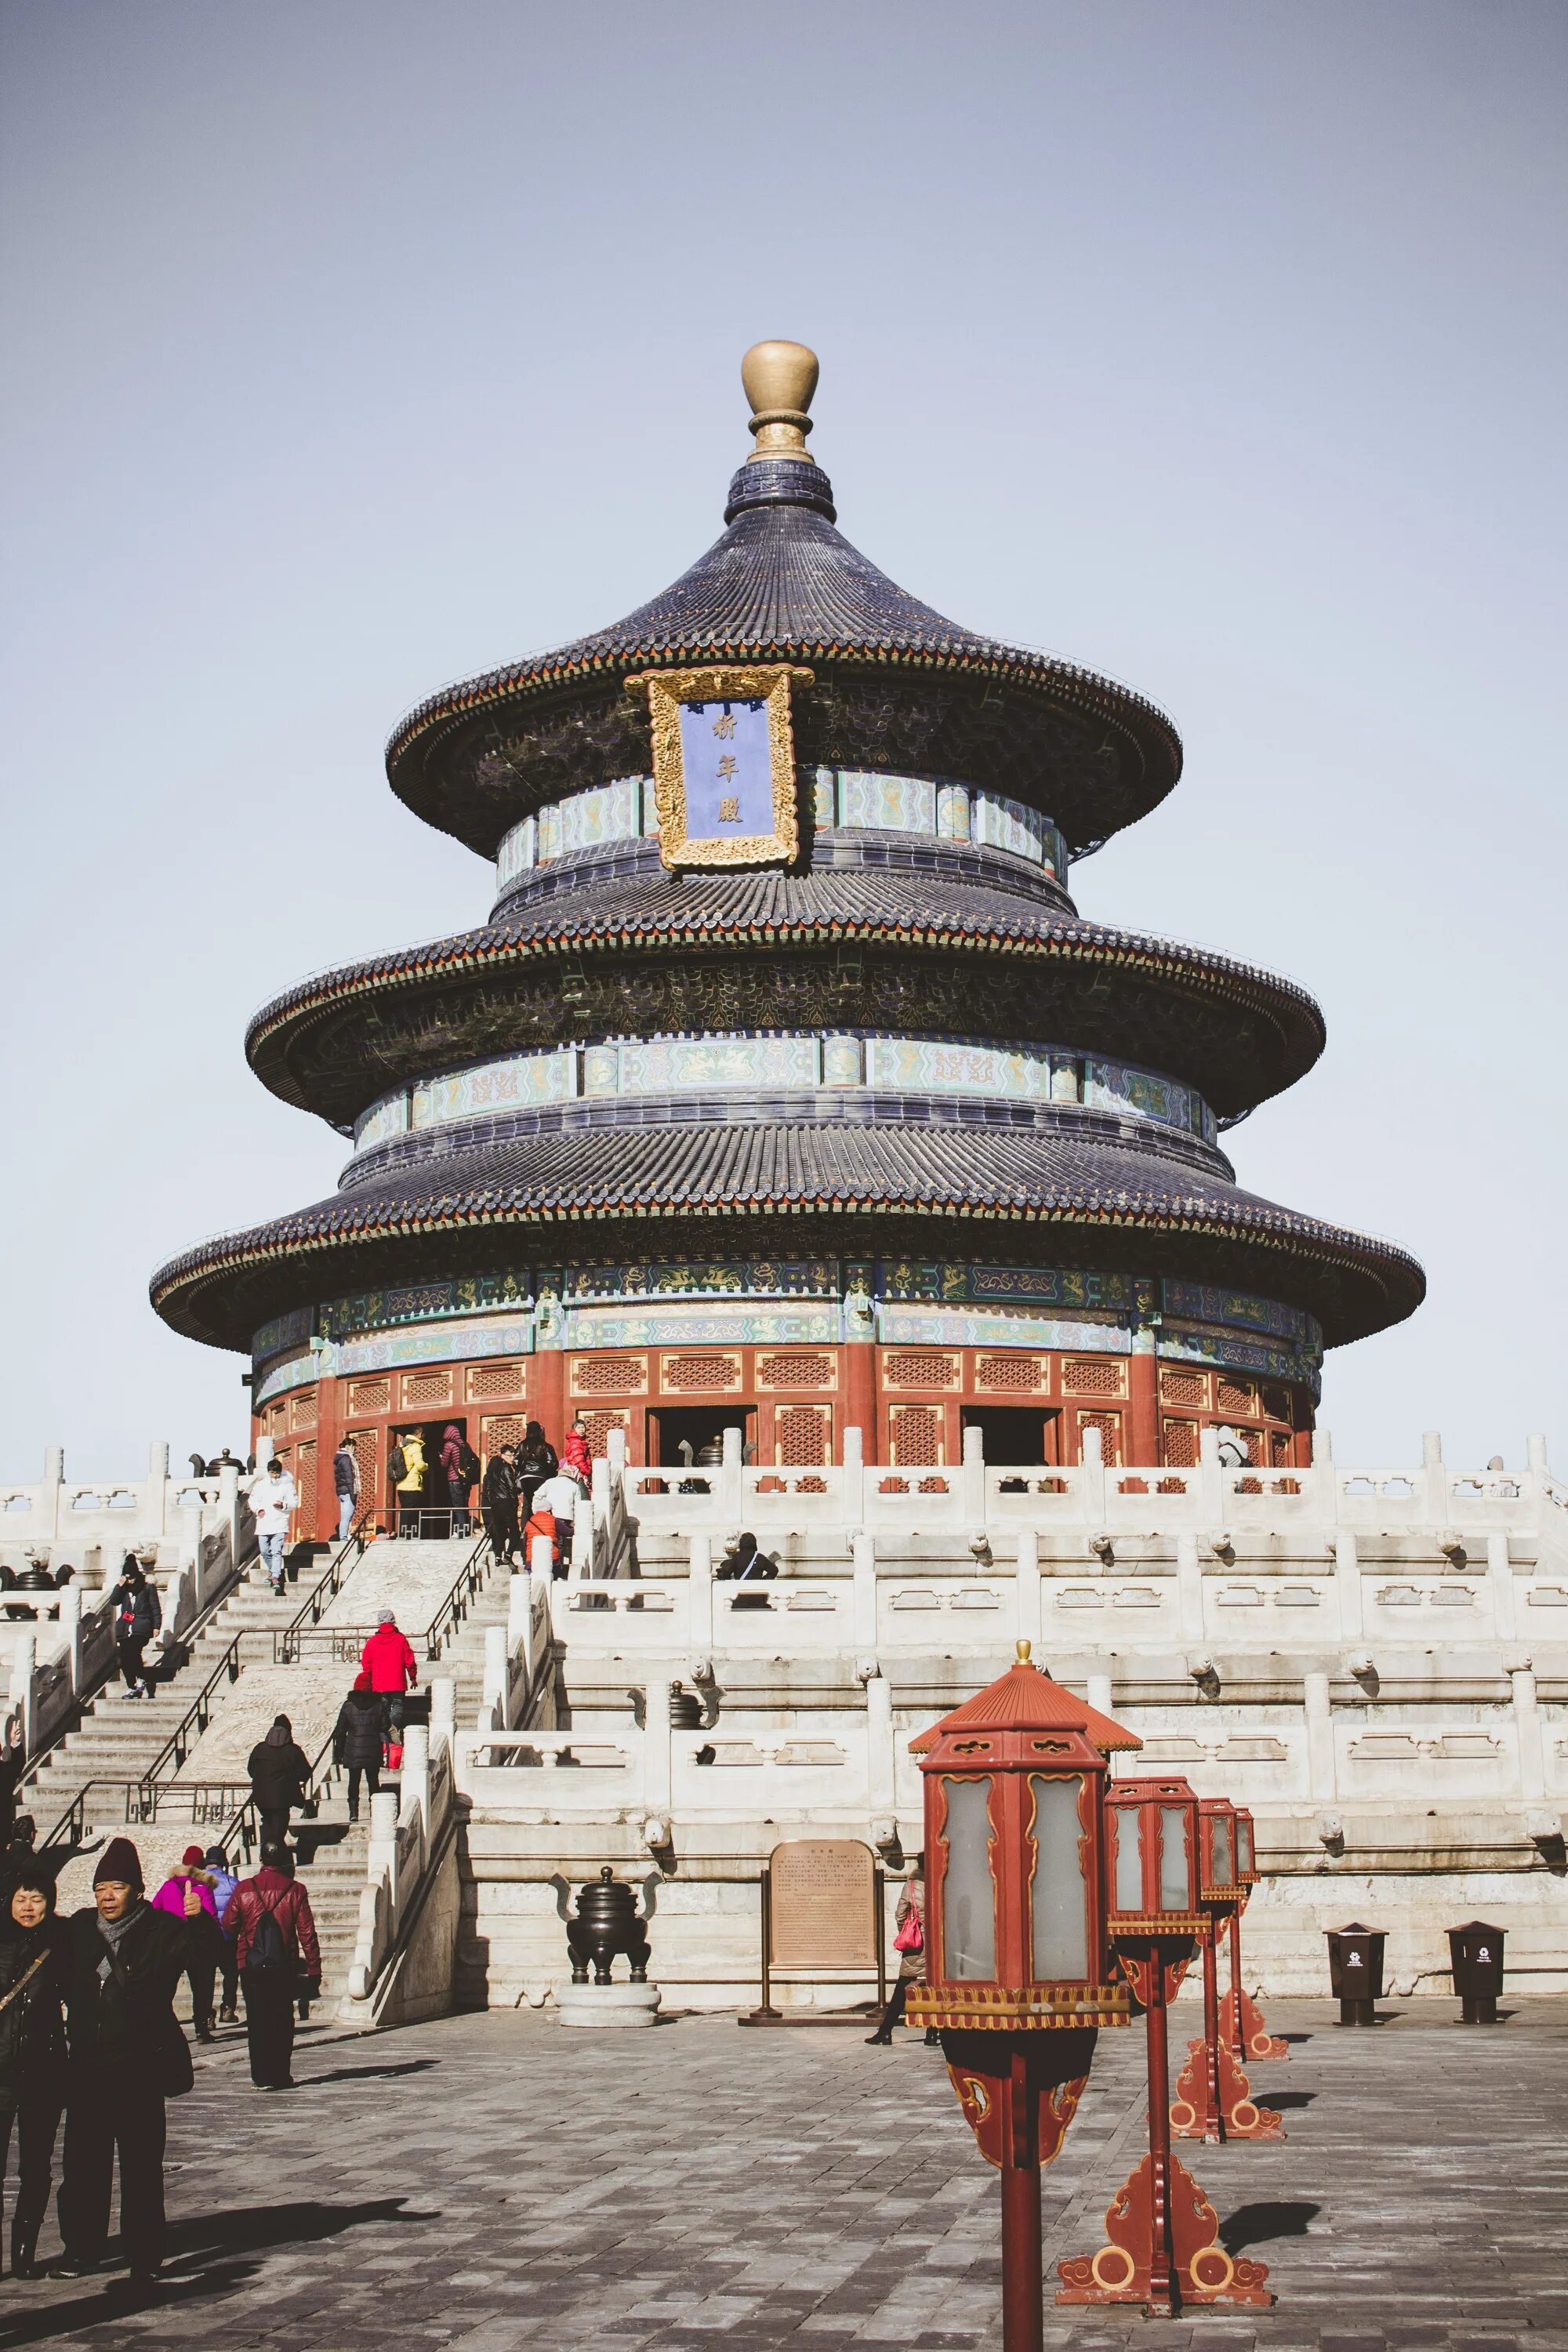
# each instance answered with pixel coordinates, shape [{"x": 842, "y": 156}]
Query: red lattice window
[
  {"x": 305, "y": 1480},
  {"x": 427, "y": 1387},
  {"x": 1109, "y": 1427},
  {"x": 486, "y": 1380},
  {"x": 1172, "y": 1487},
  {"x": 916, "y": 1432},
  {"x": 597, "y": 1427},
  {"x": 1093, "y": 1376},
  {"x": 926, "y": 1369},
  {"x": 684, "y": 1373},
  {"x": 1279, "y": 1448},
  {"x": 498, "y": 1429},
  {"x": 1179, "y": 1444},
  {"x": 277, "y": 1422},
  {"x": 933, "y": 1487},
  {"x": 1236, "y": 1396},
  {"x": 302, "y": 1409},
  {"x": 370, "y": 1396},
  {"x": 794, "y": 1372},
  {"x": 1184, "y": 1387},
  {"x": 802, "y": 1435},
  {"x": 367, "y": 1454},
  {"x": 1021, "y": 1375},
  {"x": 606, "y": 1375}
]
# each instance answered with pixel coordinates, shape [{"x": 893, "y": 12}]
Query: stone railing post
[
  {"x": 731, "y": 1502},
  {"x": 699, "y": 1597},
  {"x": 616, "y": 1451},
  {"x": 51, "y": 1498},
  {"x": 1322, "y": 1777},
  {"x": 497, "y": 1678},
  {"x": 1500, "y": 1576},
  {"x": 657, "y": 1761},
  {"x": 863, "y": 1557},
  {"x": 1347, "y": 1583},
  {"x": 880, "y": 1759},
  {"x": 1527, "y": 1730},
  {"x": 520, "y": 1622},
  {"x": 854, "y": 1478},
  {"x": 1028, "y": 1613},
  {"x": 1436, "y": 1477},
  {"x": 1211, "y": 1477},
  {"x": 71, "y": 1631},
  {"x": 1092, "y": 1453},
  {"x": 973, "y": 1479},
  {"x": 1189, "y": 1587},
  {"x": 417, "y": 1772},
  {"x": 154, "y": 1513},
  {"x": 443, "y": 1712},
  {"x": 24, "y": 1665}
]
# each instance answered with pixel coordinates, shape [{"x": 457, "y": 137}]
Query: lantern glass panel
[
  {"x": 1126, "y": 1821},
  {"x": 1175, "y": 1868},
  {"x": 1244, "y": 1845},
  {"x": 1058, "y": 1913},
  {"x": 968, "y": 1887},
  {"x": 1219, "y": 1849}
]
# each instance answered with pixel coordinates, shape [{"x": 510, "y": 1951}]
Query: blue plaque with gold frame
[{"x": 723, "y": 763}]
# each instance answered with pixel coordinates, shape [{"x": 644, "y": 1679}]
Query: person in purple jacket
[{"x": 207, "y": 1954}]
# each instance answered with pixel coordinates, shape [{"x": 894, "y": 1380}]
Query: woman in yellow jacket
[{"x": 411, "y": 1486}]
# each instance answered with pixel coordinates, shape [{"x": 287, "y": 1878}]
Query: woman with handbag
[
  {"x": 32, "y": 2052},
  {"x": 910, "y": 1943}
]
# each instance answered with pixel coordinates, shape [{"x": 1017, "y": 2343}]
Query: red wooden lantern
[
  {"x": 1020, "y": 1974},
  {"x": 1241, "y": 2023},
  {"x": 1163, "y": 2247},
  {"x": 1214, "y": 2098}
]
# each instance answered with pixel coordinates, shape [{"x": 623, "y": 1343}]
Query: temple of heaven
[{"x": 784, "y": 1087}]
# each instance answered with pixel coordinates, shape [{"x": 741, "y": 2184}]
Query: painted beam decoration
[{"x": 723, "y": 764}]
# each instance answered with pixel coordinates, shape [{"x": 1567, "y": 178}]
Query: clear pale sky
[{"x": 351, "y": 349}]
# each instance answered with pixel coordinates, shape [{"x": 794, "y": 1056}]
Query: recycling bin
[
  {"x": 1476, "y": 1953},
  {"x": 1355, "y": 1970}
]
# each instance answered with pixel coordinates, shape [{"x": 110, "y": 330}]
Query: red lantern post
[
  {"x": 1241, "y": 2025},
  {"x": 1214, "y": 2099},
  {"x": 1018, "y": 1972},
  {"x": 1163, "y": 2249}
]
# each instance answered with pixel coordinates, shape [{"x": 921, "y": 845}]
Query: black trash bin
[
  {"x": 1475, "y": 1952},
  {"x": 1355, "y": 1970}
]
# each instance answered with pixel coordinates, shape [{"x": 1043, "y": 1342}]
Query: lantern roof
[{"x": 1025, "y": 1699}]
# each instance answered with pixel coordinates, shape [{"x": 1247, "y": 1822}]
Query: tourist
[
  {"x": 452, "y": 1472},
  {"x": 405, "y": 1467},
  {"x": 32, "y": 2053},
  {"x": 910, "y": 1943},
  {"x": 279, "y": 1776},
  {"x": 222, "y": 1883},
  {"x": 202, "y": 1967},
  {"x": 274, "y": 1498},
  {"x": 742, "y": 1562},
  {"x": 345, "y": 1486},
  {"x": 19, "y": 1856},
  {"x": 497, "y": 1501},
  {"x": 391, "y": 1665},
  {"x": 138, "y": 1613},
  {"x": 127, "y": 2056},
  {"x": 274, "y": 1937},
  {"x": 356, "y": 1740},
  {"x": 576, "y": 1455},
  {"x": 536, "y": 1461}
]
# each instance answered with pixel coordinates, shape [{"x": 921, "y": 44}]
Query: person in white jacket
[{"x": 274, "y": 1498}]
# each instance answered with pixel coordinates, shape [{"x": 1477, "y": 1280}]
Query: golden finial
[
  {"x": 1024, "y": 1649},
  {"x": 780, "y": 379}
]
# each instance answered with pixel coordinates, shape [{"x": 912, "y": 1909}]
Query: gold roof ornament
[{"x": 780, "y": 380}]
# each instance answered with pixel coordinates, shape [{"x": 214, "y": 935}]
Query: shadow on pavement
[
  {"x": 367, "y": 2074},
  {"x": 1257, "y": 2225}
]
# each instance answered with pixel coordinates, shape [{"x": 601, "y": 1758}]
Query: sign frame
[{"x": 667, "y": 691}]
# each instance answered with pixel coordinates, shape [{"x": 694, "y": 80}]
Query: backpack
[
  {"x": 269, "y": 1947},
  {"x": 396, "y": 1464},
  {"x": 468, "y": 1463}
]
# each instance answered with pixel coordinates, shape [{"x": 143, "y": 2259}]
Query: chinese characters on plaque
[
  {"x": 723, "y": 763},
  {"x": 729, "y": 771}
]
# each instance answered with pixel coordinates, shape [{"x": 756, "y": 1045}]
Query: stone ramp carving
[{"x": 411, "y": 1579}]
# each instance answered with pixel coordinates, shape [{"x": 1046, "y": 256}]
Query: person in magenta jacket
[
  {"x": 206, "y": 1935},
  {"x": 391, "y": 1665}
]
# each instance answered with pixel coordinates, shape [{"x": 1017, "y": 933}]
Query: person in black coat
[
  {"x": 126, "y": 2056},
  {"x": 535, "y": 1463},
  {"x": 497, "y": 1501},
  {"x": 279, "y": 1775},
  {"x": 33, "y": 1948},
  {"x": 356, "y": 1740},
  {"x": 138, "y": 1613}
]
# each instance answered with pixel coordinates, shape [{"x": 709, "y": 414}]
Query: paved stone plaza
[{"x": 491, "y": 2181}]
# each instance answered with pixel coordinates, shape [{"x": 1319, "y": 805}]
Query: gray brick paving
[{"x": 493, "y": 2183}]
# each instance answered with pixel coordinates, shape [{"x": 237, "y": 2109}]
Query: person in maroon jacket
[
  {"x": 391, "y": 1665},
  {"x": 269, "y": 1919}
]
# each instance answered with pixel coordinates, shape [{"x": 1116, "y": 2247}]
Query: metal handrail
[
  {"x": 140, "y": 1804},
  {"x": 332, "y": 1584},
  {"x": 454, "y": 1607},
  {"x": 197, "y": 1715}
]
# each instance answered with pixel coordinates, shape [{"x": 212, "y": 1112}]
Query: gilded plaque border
[{"x": 666, "y": 690}]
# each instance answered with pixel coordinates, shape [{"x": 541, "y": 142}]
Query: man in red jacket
[
  {"x": 275, "y": 1943},
  {"x": 389, "y": 1662}
]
